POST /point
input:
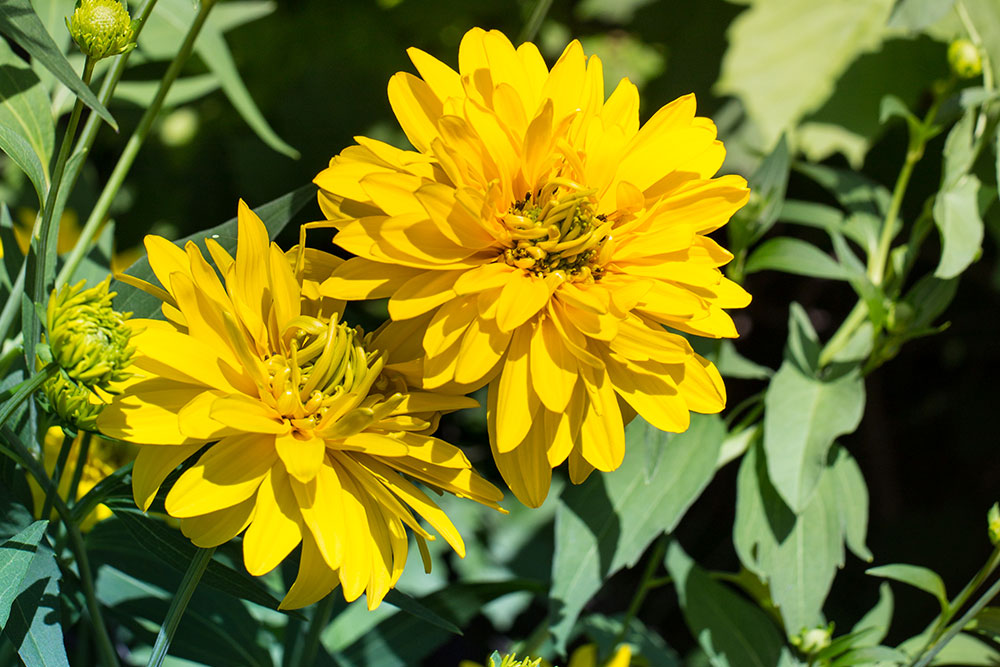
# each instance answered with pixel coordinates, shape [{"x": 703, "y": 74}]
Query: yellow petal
[
  {"x": 314, "y": 581},
  {"x": 301, "y": 454},
  {"x": 702, "y": 386},
  {"x": 194, "y": 420},
  {"x": 375, "y": 444},
  {"x": 515, "y": 406},
  {"x": 655, "y": 397},
  {"x": 152, "y": 466},
  {"x": 483, "y": 344},
  {"x": 360, "y": 278},
  {"x": 355, "y": 567},
  {"x": 443, "y": 80},
  {"x": 215, "y": 528},
  {"x": 276, "y": 526},
  {"x": 182, "y": 358},
  {"x": 227, "y": 474},
  {"x": 552, "y": 367},
  {"x": 602, "y": 434},
  {"x": 526, "y": 468},
  {"x": 321, "y": 507},
  {"x": 415, "y": 106},
  {"x": 148, "y": 413},
  {"x": 248, "y": 414},
  {"x": 422, "y": 293},
  {"x": 520, "y": 300}
]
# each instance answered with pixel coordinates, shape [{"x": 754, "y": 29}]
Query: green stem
[
  {"x": 190, "y": 581},
  {"x": 534, "y": 22},
  {"x": 935, "y": 646},
  {"x": 655, "y": 559},
  {"x": 57, "y": 472},
  {"x": 48, "y": 230},
  {"x": 81, "y": 462},
  {"x": 319, "y": 620},
  {"x": 13, "y": 305},
  {"x": 26, "y": 389},
  {"x": 839, "y": 340},
  {"x": 108, "y": 656},
  {"x": 117, "y": 178}
]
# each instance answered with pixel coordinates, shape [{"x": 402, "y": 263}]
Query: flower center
[
  {"x": 556, "y": 230},
  {"x": 321, "y": 363}
]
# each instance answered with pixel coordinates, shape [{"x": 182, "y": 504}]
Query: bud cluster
[{"x": 102, "y": 28}]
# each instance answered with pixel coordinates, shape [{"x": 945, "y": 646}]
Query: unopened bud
[
  {"x": 813, "y": 640},
  {"x": 101, "y": 28},
  {"x": 965, "y": 59},
  {"x": 993, "y": 522}
]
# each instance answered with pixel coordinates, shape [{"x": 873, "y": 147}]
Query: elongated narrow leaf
[
  {"x": 15, "y": 557},
  {"x": 20, "y": 151},
  {"x": 917, "y": 576},
  {"x": 956, "y": 214},
  {"x": 19, "y": 21},
  {"x": 607, "y": 523},
  {"x": 731, "y": 630},
  {"x": 25, "y": 114},
  {"x": 878, "y": 619},
  {"x": 34, "y": 625},
  {"x": 274, "y": 214},
  {"x": 411, "y": 606},
  {"x": 792, "y": 255}
]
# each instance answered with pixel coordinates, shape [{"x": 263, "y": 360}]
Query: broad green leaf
[
  {"x": 411, "y": 606},
  {"x": 605, "y": 632},
  {"x": 791, "y": 255},
  {"x": 15, "y": 557},
  {"x": 821, "y": 216},
  {"x": 925, "y": 302},
  {"x": 35, "y": 618},
  {"x": 985, "y": 15},
  {"x": 879, "y": 618},
  {"x": 784, "y": 57},
  {"x": 19, "y": 22},
  {"x": 731, "y": 630},
  {"x": 24, "y": 111},
  {"x": 274, "y": 214},
  {"x": 871, "y": 655},
  {"x": 915, "y": 15},
  {"x": 893, "y": 107},
  {"x": 965, "y": 650},
  {"x": 607, "y": 523},
  {"x": 23, "y": 155},
  {"x": 959, "y": 153},
  {"x": 917, "y": 576},
  {"x": 770, "y": 180},
  {"x": 609, "y": 11},
  {"x": 803, "y": 416},
  {"x": 987, "y": 620},
  {"x": 852, "y": 502},
  {"x": 167, "y": 26},
  {"x": 802, "y": 346},
  {"x": 183, "y": 91},
  {"x": 624, "y": 56},
  {"x": 853, "y": 190},
  {"x": 731, "y": 364},
  {"x": 956, "y": 214}
]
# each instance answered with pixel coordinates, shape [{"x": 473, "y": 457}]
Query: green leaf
[
  {"x": 23, "y": 155},
  {"x": 917, "y": 576},
  {"x": 34, "y": 625},
  {"x": 915, "y": 15},
  {"x": 851, "y": 492},
  {"x": 879, "y": 618},
  {"x": 770, "y": 181},
  {"x": 731, "y": 630},
  {"x": 784, "y": 57},
  {"x": 796, "y": 555},
  {"x": 607, "y": 523},
  {"x": 177, "y": 551},
  {"x": 25, "y": 113},
  {"x": 20, "y": 22},
  {"x": 415, "y": 608},
  {"x": 956, "y": 214},
  {"x": 959, "y": 153},
  {"x": 893, "y": 107},
  {"x": 183, "y": 91},
  {"x": 927, "y": 300},
  {"x": 731, "y": 364},
  {"x": 791, "y": 255},
  {"x": 169, "y": 23},
  {"x": 605, "y": 631},
  {"x": 871, "y": 655},
  {"x": 803, "y": 416},
  {"x": 15, "y": 557},
  {"x": 624, "y": 56},
  {"x": 985, "y": 15},
  {"x": 274, "y": 214},
  {"x": 987, "y": 620},
  {"x": 609, "y": 11}
]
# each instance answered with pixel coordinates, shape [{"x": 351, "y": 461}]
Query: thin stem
[
  {"x": 26, "y": 389},
  {"x": 534, "y": 22},
  {"x": 190, "y": 581},
  {"x": 67, "y": 444},
  {"x": 935, "y": 647},
  {"x": 108, "y": 656},
  {"x": 100, "y": 210},
  {"x": 876, "y": 263},
  {"x": 47, "y": 231},
  {"x": 655, "y": 558},
  {"x": 81, "y": 462},
  {"x": 320, "y": 617},
  {"x": 839, "y": 340},
  {"x": 13, "y": 305}
]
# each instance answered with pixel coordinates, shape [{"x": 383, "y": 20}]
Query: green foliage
[{"x": 26, "y": 128}]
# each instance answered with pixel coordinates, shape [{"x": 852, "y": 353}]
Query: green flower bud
[
  {"x": 510, "y": 660},
  {"x": 964, "y": 58},
  {"x": 993, "y": 522},
  {"x": 813, "y": 640},
  {"x": 101, "y": 28},
  {"x": 89, "y": 340}
]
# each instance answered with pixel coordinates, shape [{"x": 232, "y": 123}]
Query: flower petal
[{"x": 276, "y": 527}]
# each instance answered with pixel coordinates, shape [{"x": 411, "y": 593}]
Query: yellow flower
[
  {"x": 539, "y": 240},
  {"x": 103, "y": 458},
  {"x": 312, "y": 436}
]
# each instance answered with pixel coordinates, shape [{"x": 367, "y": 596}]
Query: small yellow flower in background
[
  {"x": 539, "y": 240},
  {"x": 90, "y": 342},
  {"x": 69, "y": 233},
  {"x": 101, "y": 28},
  {"x": 584, "y": 656},
  {"x": 103, "y": 458},
  {"x": 314, "y": 438}
]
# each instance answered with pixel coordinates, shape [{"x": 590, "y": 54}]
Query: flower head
[
  {"x": 101, "y": 28},
  {"x": 965, "y": 59},
  {"x": 540, "y": 240},
  {"x": 315, "y": 440},
  {"x": 89, "y": 340}
]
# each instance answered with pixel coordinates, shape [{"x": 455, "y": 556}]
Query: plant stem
[
  {"x": 81, "y": 462},
  {"x": 26, "y": 389},
  {"x": 839, "y": 340},
  {"x": 13, "y": 305},
  {"x": 35, "y": 469},
  {"x": 57, "y": 471},
  {"x": 320, "y": 617},
  {"x": 935, "y": 646},
  {"x": 47, "y": 232},
  {"x": 534, "y": 21},
  {"x": 190, "y": 581},
  {"x": 655, "y": 559},
  {"x": 114, "y": 183}
]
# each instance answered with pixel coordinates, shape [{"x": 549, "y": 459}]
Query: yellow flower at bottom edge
[
  {"x": 540, "y": 240},
  {"x": 315, "y": 443},
  {"x": 103, "y": 458},
  {"x": 584, "y": 656}
]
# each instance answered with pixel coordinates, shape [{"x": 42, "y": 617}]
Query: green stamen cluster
[
  {"x": 101, "y": 28},
  {"x": 89, "y": 340},
  {"x": 561, "y": 235}
]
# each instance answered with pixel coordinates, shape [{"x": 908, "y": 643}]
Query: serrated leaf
[
  {"x": 274, "y": 214},
  {"x": 956, "y": 214},
  {"x": 791, "y": 255},
  {"x": 917, "y": 576},
  {"x": 803, "y": 415},
  {"x": 607, "y": 523},
  {"x": 732, "y": 631},
  {"x": 20, "y": 22},
  {"x": 784, "y": 57},
  {"x": 15, "y": 557}
]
